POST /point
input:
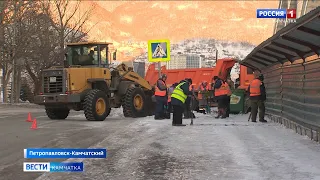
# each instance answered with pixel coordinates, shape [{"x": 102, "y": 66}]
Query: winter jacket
[
  {"x": 263, "y": 95},
  {"x": 186, "y": 91}
]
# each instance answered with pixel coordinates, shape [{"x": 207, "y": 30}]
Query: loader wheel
[
  {"x": 96, "y": 107},
  {"x": 134, "y": 103},
  {"x": 57, "y": 113}
]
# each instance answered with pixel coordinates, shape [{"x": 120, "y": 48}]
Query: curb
[{"x": 21, "y": 105}]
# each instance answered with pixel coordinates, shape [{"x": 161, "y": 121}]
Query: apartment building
[
  {"x": 177, "y": 62},
  {"x": 193, "y": 61}
]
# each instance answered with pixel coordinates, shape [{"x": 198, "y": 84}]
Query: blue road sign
[{"x": 159, "y": 50}]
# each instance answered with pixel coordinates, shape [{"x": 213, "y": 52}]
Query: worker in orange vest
[
  {"x": 202, "y": 92},
  {"x": 257, "y": 92},
  {"x": 161, "y": 97},
  {"x": 220, "y": 93},
  {"x": 203, "y": 88},
  {"x": 231, "y": 87}
]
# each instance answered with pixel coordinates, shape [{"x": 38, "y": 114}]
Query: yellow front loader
[{"x": 88, "y": 83}]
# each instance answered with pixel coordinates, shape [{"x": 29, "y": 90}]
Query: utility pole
[
  {"x": 159, "y": 69},
  {"x": 216, "y": 55}
]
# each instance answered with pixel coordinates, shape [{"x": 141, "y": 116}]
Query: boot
[
  {"x": 157, "y": 117},
  {"x": 179, "y": 125},
  {"x": 219, "y": 114},
  {"x": 263, "y": 120},
  {"x": 223, "y": 114}
]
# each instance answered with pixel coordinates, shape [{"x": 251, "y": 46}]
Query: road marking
[{"x": 3, "y": 117}]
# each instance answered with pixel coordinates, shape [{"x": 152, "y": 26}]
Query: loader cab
[{"x": 88, "y": 54}]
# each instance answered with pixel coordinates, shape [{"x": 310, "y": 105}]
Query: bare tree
[
  {"x": 10, "y": 14},
  {"x": 35, "y": 32},
  {"x": 70, "y": 22},
  {"x": 40, "y": 46},
  {"x": 52, "y": 26}
]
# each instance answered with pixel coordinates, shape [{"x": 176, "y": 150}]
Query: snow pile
[{"x": 116, "y": 112}]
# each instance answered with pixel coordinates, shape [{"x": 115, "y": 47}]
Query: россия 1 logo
[{"x": 285, "y": 15}]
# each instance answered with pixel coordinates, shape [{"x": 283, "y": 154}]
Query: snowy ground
[{"x": 210, "y": 149}]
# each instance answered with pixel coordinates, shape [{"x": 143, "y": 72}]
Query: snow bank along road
[{"x": 148, "y": 149}]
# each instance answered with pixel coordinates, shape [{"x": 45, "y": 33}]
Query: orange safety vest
[
  {"x": 228, "y": 89},
  {"x": 255, "y": 87},
  {"x": 222, "y": 90},
  {"x": 200, "y": 95},
  {"x": 158, "y": 92}
]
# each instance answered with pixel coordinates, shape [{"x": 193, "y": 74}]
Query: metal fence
[{"x": 293, "y": 92}]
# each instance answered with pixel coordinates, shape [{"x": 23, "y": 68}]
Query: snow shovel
[
  {"x": 191, "y": 109},
  {"x": 208, "y": 107}
]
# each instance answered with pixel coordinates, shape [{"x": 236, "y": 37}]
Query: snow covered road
[{"x": 210, "y": 149}]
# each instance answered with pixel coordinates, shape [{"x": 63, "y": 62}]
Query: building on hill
[
  {"x": 193, "y": 61},
  {"x": 177, "y": 62}
]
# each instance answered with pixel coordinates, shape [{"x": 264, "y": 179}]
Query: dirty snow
[
  {"x": 210, "y": 149},
  {"x": 115, "y": 113}
]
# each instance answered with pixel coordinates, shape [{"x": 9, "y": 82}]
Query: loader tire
[
  {"x": 57, "y": 113},
  {"x": 134, "y": 103},
  {"x": 96, "y": 107}
]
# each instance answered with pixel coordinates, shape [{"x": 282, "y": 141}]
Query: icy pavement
[{"x": 210, "y": 149}]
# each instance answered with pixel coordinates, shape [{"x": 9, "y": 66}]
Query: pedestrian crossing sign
[{"x": 159, "y": 50}]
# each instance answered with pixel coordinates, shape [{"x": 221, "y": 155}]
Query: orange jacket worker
[
  {"x": 220, "y": 93},
  {"x": 161, "y": 97},
  {"x": 257, "y": 92}
]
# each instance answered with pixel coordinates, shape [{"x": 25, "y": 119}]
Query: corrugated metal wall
[
  {"x": 293, "y": 92},
  {"x": 274, "y": 89}
]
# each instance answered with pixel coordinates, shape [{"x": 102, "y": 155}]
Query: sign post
[
  {"x": 159, "y": 69},
  {"x": 159, "y": 51}
]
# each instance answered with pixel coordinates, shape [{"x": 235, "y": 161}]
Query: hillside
[
  {"x": 130, "y": 24},
  {"x": 207, "y": 49}
]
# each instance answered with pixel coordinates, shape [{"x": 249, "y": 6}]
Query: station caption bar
[{"x": 44, "y": 153}]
